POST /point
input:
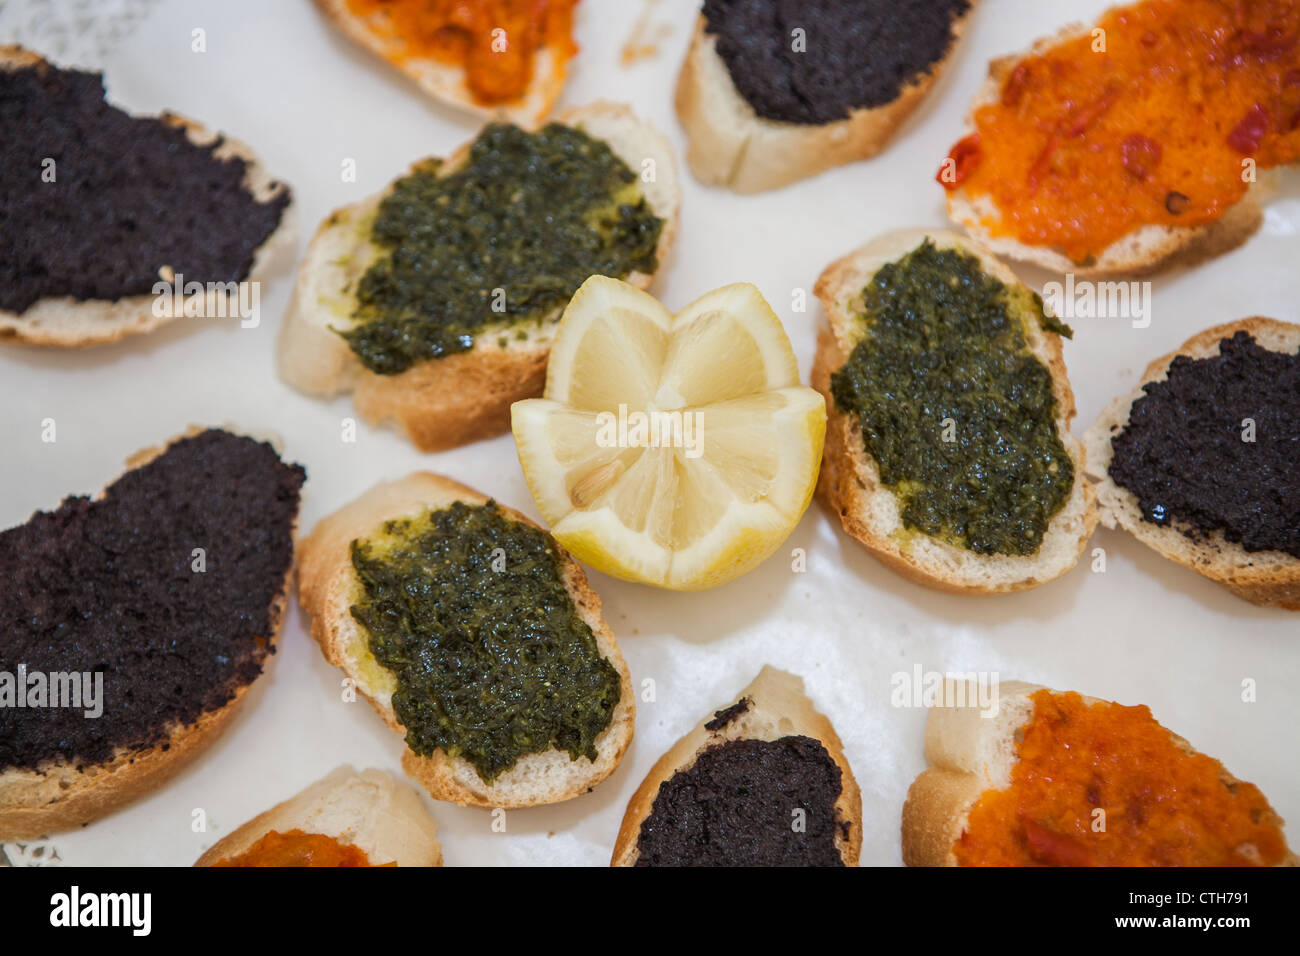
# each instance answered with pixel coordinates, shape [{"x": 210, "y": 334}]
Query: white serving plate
[{"x": 276, "y": 76}]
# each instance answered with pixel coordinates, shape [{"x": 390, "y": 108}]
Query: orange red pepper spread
[
  {"x": 495, "y": 41},
  {"x": 1163, "y": 807},
  {"x": 1084, "y": 147},
  {"x": 297, "y": 848}
]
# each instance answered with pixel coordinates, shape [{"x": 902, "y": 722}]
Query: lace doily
[
  {"x": 67, "y": 33},
  {"x": 71, "y": 32},
  {"x": 30, "y": 853}
]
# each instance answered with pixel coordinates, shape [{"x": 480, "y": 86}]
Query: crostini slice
[
  {"x": 68, "y": 320},
  {"x": 730, "y": 144},
  {"x": 850, "y": 484},
  {"x": 1053, "y": 778},
  {"x": 384, "y": 32},
  {"x": 369, "y": 818},
  {"x": 329, "y": 588},
  {"x": 760, "y": 782},
  {"x": 1265, "y": 577},
  {"x": 213, "y": 516},
  {"x": 464, "y": 396},
  {"x": 1156, "y": 31}
]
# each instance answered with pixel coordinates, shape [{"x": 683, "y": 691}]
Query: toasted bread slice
[
  {"x": 969, "y": 754},
  {"x": 70, "y": 322},
  {"x": 1143, "y": 251},
  {"x": 1261, "y": 577},
  {"x": 63, "y": 794},
  {"x": 850, "y": 485},
  {"x": 773, "y": 706},
  {"x": 441, "y": 403},
  {"x": 372, "y": 811},
  {"x": 445, "y": 82},
  {"x": 729, "y": 144},
  {"x": 328, "y": 587}
]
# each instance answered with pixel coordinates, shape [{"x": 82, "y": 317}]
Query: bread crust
[
  {"x": 1267, "y": 578},
  {"x": 446, "y": 402},
  {"x": 778, "y": 708},
  {"x": 371, "y": 810},
  {"x": 62, "y": 795},
  {"x": 64, "y": 321},
  {"x": 849, "y": 485},
  {"x": 729, "y": 144},
  {"x": 445, "y": 82},
  {"x": 1149, "y": 249},
  {"x": 327, "y": 587},
  {"x": 935, "y": 813},
  {"x": 970, "y": 755}
]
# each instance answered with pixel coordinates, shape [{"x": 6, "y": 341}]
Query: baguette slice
[
  {"x": 371, "y": 810},
  {"x": 778, "y": 707},
  {"x": 68, "y": 322},
  {"x": 1143, "y": 251},
  {"x": 327, "y": 587},
  {"x": 1261, "y": 577},
  {"x": 968, "y": 755},
  {"x": 850, "y": 486},
  {"x": 729, "y": 144},
  {"x": 64, "y": 795},
  {"x": 445, "y": 82},
  {"x": 441, "y": 403}
]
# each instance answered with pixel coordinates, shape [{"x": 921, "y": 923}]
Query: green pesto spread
[
  {"x": 506, "y": 238},
  {"x": 468, "y": 610},
  {"x": 943, "y": 340}
]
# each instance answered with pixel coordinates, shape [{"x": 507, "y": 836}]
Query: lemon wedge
[{"x": 674, "y": 450}]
